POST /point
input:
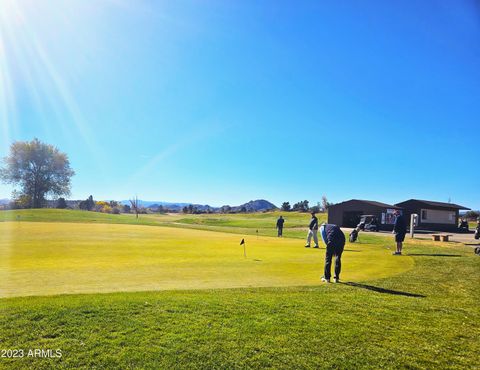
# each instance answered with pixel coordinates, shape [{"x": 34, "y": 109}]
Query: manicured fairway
[
  {"x": 183, "y": 296},
  {"x": 244, "y": 224},
  {"x": 38, "y": 258},
  {"x": 424, "y": 318}
]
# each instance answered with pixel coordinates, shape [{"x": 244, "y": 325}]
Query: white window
[{"x": 434, "y": 216}]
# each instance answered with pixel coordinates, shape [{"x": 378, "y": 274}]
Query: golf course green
[
  {"x": 175, "y": 291},
  {"x": 41, "y": 258}
]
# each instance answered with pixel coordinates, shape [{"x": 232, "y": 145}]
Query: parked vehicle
[
  {"x": 368, "y": 223},
  {"x": 463, "y": 226}
]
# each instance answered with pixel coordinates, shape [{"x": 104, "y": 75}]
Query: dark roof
[
  {"x": 370, "y": 202},
  {"x": 435, "y": 204}
]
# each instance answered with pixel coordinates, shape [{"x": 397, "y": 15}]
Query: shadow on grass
[
  {"x": 434, "y": 255},
  {"x": 345, "y": 250},
  {"x": 383, "y": 290}
]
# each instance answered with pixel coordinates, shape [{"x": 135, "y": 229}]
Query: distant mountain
[
  {"x": 256, "y": 206},
  {"x": 149, "y": 203},
  {"x": 169, "y": 205},
  {"x": 252, "y": 206}
]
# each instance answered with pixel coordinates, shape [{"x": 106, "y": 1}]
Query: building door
[{"x": 351, "y": 218}]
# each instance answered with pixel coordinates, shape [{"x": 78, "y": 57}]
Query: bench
[{"x": 442, "y": 237}]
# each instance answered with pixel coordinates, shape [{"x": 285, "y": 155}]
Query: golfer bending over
[
  {"x": 334, "y": 238},
  {"x": 312, "y": 232}
]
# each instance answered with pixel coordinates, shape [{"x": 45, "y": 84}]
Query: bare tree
[
  {"x": 325, "y": 203},
  {"x": 134, "y": 204}
]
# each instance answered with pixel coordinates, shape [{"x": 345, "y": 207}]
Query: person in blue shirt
[
  {"x": 280, "y": 223},
  {"x": 400, "y": 230},
  {"x": 334, "y": 238}
]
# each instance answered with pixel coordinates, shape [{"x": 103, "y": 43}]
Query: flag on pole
[{"x": 244, "y": 248}]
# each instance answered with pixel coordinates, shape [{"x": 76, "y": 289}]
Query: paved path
[
  {"x": 464, "y": 238},
  {"x": 467, "y": 239}
]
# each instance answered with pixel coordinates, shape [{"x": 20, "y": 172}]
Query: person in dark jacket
[
  {"x": 334, "y": 238},
  {"x": 400, "y": 230},
  {"x": 280, "y": 223},
  {"x": 312, "y": 231}
]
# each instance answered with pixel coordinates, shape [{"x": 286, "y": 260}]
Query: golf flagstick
[{"x": 244, "y": 248}]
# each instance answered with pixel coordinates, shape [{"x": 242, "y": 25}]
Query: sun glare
[{"x": 31, "y": 65}]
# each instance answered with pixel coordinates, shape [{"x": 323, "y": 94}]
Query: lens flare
[{"x": 35, "y": 70}]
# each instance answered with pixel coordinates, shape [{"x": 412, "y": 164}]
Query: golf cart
[
  {"x": 463, "y": 226},
  {"x": 368, "y": 223}
]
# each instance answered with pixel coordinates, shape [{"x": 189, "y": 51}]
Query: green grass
[
  {"x": 472, "y": 225},
  {"x": 39, "y": 258},
  {"x": 246, "y": 224},
  {"x": 255, "y": 220},
  {"x": 334, "y": 326},
  {"x": 72, "y": 216},
  {"x": 421, "y": 312}
]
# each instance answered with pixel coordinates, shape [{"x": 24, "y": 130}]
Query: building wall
[
  {"x": 335, "y": 215},
  {"x": 435, "y": 216},
  {"x": 337, "y": 212},
  {"x": 438, "y": 218}
]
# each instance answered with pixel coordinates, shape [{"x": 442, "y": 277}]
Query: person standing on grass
[
  {"x": 334, "y": 238},
  {"x": 312, "y": 231},
  {"x": 400, "y": 230},
  {"x": 280, "y": 223}
]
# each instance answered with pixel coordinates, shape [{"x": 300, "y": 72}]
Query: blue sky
[{"x": 221, "y": 102}]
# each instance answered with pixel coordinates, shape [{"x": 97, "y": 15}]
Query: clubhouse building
[
  {"x": 432, "y": 215},
  {"x": 348, "y": 213}
]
